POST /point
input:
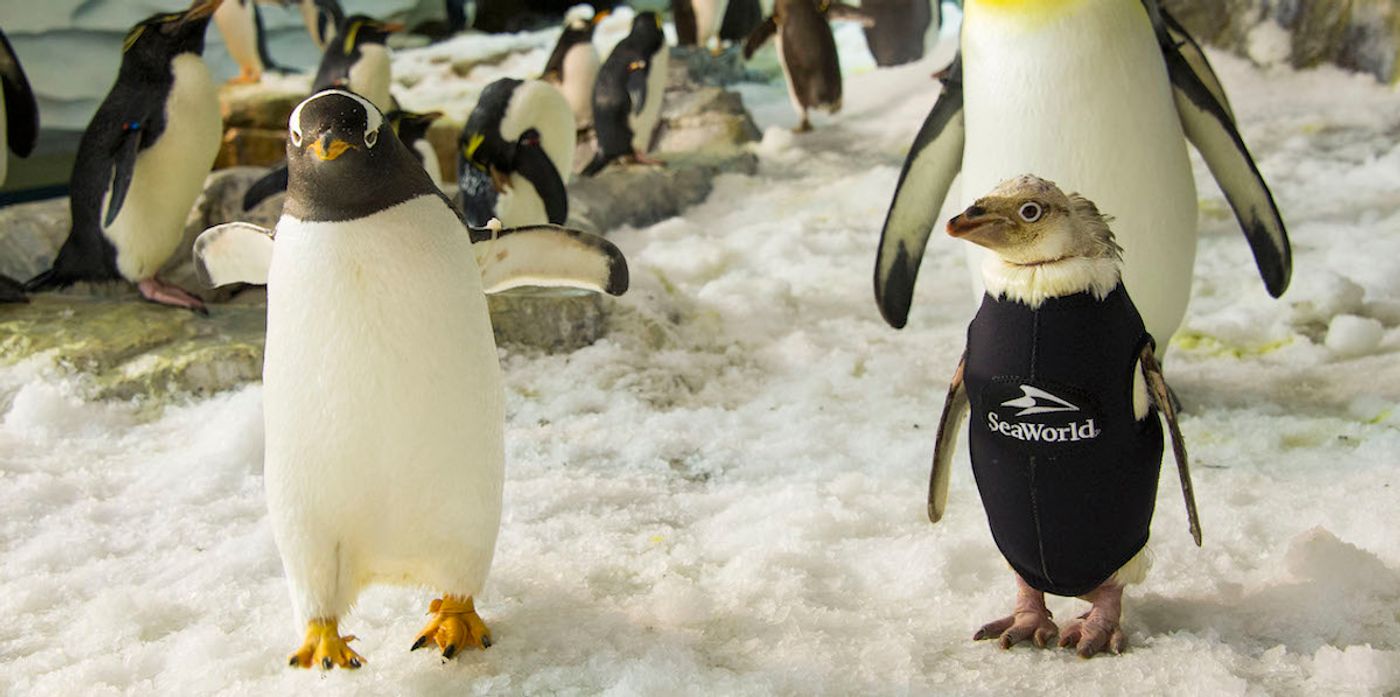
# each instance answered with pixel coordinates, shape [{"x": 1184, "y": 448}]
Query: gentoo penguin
[
  {"x": 19, "y": 131},
  {"x": 807, "y": 51},
  {"x": 241, "y": 26},
  {"x": 384, "y": 456},
  {"x": 899, "y": 30},
  {"x": 698, "y": 21},
  {"x": 142, "y": 161},
  {"x": 515, "y": 154},
  {"x": 359, "y": 61},
  {"x": 740, "y": 19},
  {"x": 628, "y": 95},
  {"x": 1064, "y": 387},
  {"x": 1034, "y": 91},
  {"x": 573, "y": 65},
  {"x": 412, "y": 130},
  {"x": 323, "y": 18}
]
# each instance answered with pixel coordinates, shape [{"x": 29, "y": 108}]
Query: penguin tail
[
  {"x": 48, "y": 280},
  {"x": 599, "y": 162}
]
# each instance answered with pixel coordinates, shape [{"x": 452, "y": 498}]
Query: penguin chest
[
  {"x": 643, "y": 124},
  {"x": 1083, "y": 99},
  {"x": 382, "y": 389},
  {"x": 708, "y": 16},
  {"x": 581, "y": 65},
  {"x": 369, "y": 76},
  {"x": 521, "y": 205},
  {"x": 169, "y": 175},
  {"x": 237, "y": 26}
]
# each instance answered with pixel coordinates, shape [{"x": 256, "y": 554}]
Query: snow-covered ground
[{"x": 726, "y": 495}]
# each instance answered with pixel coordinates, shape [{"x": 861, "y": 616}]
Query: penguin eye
[
  {"x": 1031, "y": 212},
  {"x": 296, "y": 137},
  {"x": 371, "y": 138}
]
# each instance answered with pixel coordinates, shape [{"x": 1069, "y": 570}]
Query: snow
[{"x": 726, "y": 495}]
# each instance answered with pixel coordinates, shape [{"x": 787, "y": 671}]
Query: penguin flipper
[
  {"x": 476, "y": 195},
  {"x": 21, "y": 109},
  {"x": 1161, "y": 398},
  {"x": 933, "y": 163},
  {"x": 637, "y": 85},
  {"x": 124, "y": 167},
  {"x": 1208, "y": 125},
  {"x": 233, "y": 253},
  {"x": 548, "y": 256},
  {"x": 263, "y": 54},
  {"x": 955, "y": 409},
  {"x": 533, "y": 164},
  {"x": 759, "y": 36},
  {"x": 271, "y": 184},
  {"x": 1196, "y": 57}
]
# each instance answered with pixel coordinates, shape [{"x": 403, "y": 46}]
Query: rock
[
  {"x": 692, "y": 64},
  {"x": 552, "y": 321},
  {"x": 252, "y": 147},
  {"x": 640, "y": 195},
  {"x": 1361, "y": 35},
  {"x": 699, "y": 118},
  {"x": 30, "y": 235},
  {"x": 267, "y": 105}
]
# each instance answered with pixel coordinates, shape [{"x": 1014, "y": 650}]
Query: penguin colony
[{"x": 1061, "y": 375}]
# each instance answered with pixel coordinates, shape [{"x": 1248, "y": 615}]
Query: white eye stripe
[{"x": 373, "y": 119}]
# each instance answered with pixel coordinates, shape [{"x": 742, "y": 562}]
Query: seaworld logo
[{"x": 1032, "y": 401}]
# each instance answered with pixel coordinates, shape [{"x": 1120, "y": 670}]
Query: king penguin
[
  {"x": 142, "y": 161},
  {"x": 384, "y": 457},
  {"x": 573, "y": 65},
  {"x": 807, "y": 52},
  {"x": 19, "y": 131},
  {"x": 628, "y": 96},
  {"x": 359, "y": 60},
  {"x": 516, "y": 154},
  {"x": 1102, "y": 96},
  {"x": 241, "y": 26}
]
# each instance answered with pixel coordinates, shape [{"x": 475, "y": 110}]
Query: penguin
[
  {"x": 412, "y": 130},
  {"x": 515, "y": 154},
  {"x": 323, "y": 18},
  {"x": 359, "y": 60},
  {"x": 741, "y": 17},
  {"x": 1062, "y": 380},
  {"x": 573, "y": 65},
  {"x": 698, "y": 21},
  {"x": 1040, "y": 95},
  {"x": 900, "y": 30},
  {"x": 19, "y": 131},
  {"x": 241, "y": 26},
  {"x": 381, "y": 468},
  {"x": 628, "y": 95},
  {"x": 142, "y": 161},
  {"x": 807, "y": 52}
]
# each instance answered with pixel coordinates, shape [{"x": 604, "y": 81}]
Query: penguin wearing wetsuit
[
  {"x": 627, "y": 99},
  {"x": 142, "y": 161},
  {"x": 19, "y": 131},
  {"x": 516, "y": 153},
  {"x": 1063, "y": 385}
]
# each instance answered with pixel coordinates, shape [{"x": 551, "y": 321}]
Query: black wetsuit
[{"x": 1067, "y": 476}]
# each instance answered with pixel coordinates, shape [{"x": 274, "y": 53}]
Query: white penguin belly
[
  {"x": 431, "y": 164},
  {"x": 521, "y": 205},
  {"x": 643, "y": 125},
  {"x": 1083, "y": 99},
  {"x": 169, "y": 175},
  {"x": 787, "y": 75},
  {"x": 708, "y": 16},
  {"x": 581, "y": 65},
  {"x": 383, "y": 403},
  {"x": 236, "y": 25},
  {"x": 369, "y": 76}
]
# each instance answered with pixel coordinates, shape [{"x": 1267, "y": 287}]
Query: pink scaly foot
[
  {"x": 1099, "y": 628},
  {"x": 642, "y": 158},
  {"x": 1030, "y": 620},
  {"x": 158, "y": 291}
]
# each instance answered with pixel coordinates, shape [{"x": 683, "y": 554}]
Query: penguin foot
[
  {"x": 160, "y": 292},
  {"x": 804, "y": 127},
  {"x": 455, "y": 626},
  {"x": 1030, "y": 620},
  {"x": 642, "y": 158},
  {"x": 246, "y": 77},
  {"x": 326, "y": 648},
  {"x": 1099, "y": 628}
]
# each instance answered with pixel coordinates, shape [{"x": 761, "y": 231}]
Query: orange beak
[
  {"x": 201, "y": 9},
  {"x": 598, "y": 18},
  {"x": 325, "y": 153}
]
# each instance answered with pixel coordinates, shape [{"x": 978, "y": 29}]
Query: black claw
[
  {"x": 449, "y": 652},
  {"x": 354, "y": 663},
  {"x": 419, "y": 643},
  {"x": 326, "y": 663},
  {"x": 292, "y": 662},
  {"x": 486, "y": 642}
]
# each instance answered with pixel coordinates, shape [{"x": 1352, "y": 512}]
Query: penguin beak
[
  {"x": 598, "y": 18},
  {"x": 326, "y": 153},
  {"x": 394, "y": 27},
  {"x": 201, "y": 9},
  {"x": 978, "y": 226}
]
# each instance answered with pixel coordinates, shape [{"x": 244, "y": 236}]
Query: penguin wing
[
  {"x": 637, "y": 85},
  {"x": 1157, "y": 391},
  {"x": 233, "y": 253},
  {"x": 271, "y": 184},
  {"x": 1191, "y": 51},
  {"x": 21, "y": 109},
  {"x": 533, "y": 164},
  {"x": 955, "y": 409},
  {"x": 124, "y": 166},
  {"x": 1209, "y": 127},
  {"x": 933, "y": 163},
  {"x": 476, "y": 194},
  {"x": 548, "y": 256},
  {"x": 759, "y": 36}
]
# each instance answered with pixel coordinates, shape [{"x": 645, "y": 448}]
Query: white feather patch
[
  {"x": 543, "y": 257},
  {"x": 541, "y": 106},
  {"x": 1034, "y": 284},
  {"x": 233, "y": 253}
]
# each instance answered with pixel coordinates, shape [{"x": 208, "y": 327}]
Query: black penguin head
[
  {"x": 344, "y": 160},
  {"x": 360, "y": 30},
  {"x": 161, "y": 37},
  {"x": 481, "y": 144},
  {"x": 647, "y": 35}
]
